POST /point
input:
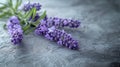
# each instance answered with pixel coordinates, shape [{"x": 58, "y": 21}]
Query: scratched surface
[{"x": 98, "y": 36}]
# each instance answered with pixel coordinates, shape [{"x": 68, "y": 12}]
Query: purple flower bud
[
  {"x": 48, "y": 37},
  {"x": 65, "y": 22},
  {"x": 60, "y": 42},
  {"x": 15, "y": 30},
  {"x": 36, "y": 17}
]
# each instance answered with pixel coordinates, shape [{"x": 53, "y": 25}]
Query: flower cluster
[
  {"x": 27, "y": 20},
  {"x": 62, "y": 38},
  {"x": 29, "y": 6},
  {"x": 15, "y": 30},
  {"x": 48, "y": 28},
  {"x": 41, "y": 30},
  {"x": 60, "y": 22}
]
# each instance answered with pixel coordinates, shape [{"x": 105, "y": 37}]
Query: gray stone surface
[{"x": 98, "y": 36}]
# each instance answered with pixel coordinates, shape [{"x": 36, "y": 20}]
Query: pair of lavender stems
[{"x": 48, "y": 27}]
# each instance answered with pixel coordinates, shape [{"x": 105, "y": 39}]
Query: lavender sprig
[
  {"x": 60, "y": 22},
  {"x": 62, "y": 38},
  {"x": 15, "y": 30}
]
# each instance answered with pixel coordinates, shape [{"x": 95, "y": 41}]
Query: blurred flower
[
  {"x": 37, "y": 6},
  {"x": 29, "y": 6},
  {"x": 15, "y": 30}
]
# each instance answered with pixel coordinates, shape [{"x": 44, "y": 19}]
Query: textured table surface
[{"x": 98, "y": 36}]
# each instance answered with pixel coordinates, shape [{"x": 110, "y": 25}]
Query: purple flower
[
  {"x": 62, "y": 38},
  {"x": 48, "y": 28},
  {"x": 59, "y": 22},
  {"x": 15, "y": 30},
  {"x": 37, "y": 6},
  {"x": 29, "y": 6},
  {"x": 41, "y": 30}
]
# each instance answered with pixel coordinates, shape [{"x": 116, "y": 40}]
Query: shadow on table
[{"x": 23, "y": 56}]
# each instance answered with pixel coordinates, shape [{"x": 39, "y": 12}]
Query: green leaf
[
  {"x": 3, "y": 7},
  {"x": 10, "y": 3},
  {"x": 2, "y": 3},
  {"x": 41, "y": 17},
  {"x": 34, "y": 13},
  {"x": 19, "y": 14},
  {"x": 18, "y": 3},
  {"x": 5, "y": 14},
  {"x": 26, "y": 27},
  {"x": 28, "y": 31},
  {"x": 16, "y": 6},
  {"x": 28, "y": 14}
]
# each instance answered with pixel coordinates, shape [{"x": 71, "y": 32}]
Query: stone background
[{"x": 98, "y": 36}]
